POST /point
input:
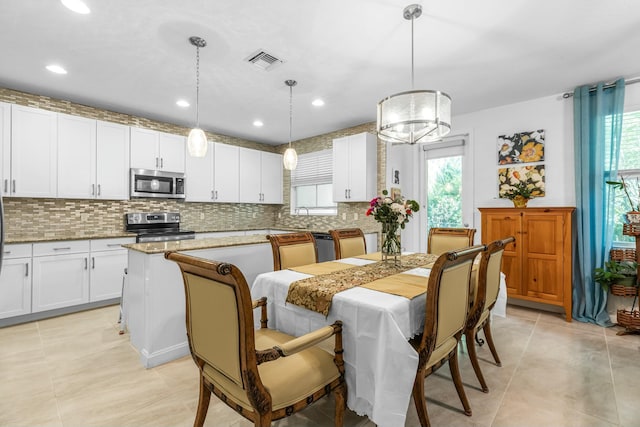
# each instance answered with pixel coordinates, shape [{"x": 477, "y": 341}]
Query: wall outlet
[
  {"x": 201, "y": 215},
  {"x": 344, "y": 215},
  {"x": 279, "y": 215},
  {"x": 255, "y": 215},
  {"x": 355, "y": 216}
]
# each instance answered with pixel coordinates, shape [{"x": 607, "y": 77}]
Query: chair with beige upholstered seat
[
  {"x": 447, "y": 307},
  {"x": 485, "y": 296},
  {"x": 293, "y": 249},
  {"x": 348, "y": 242},
  {"x": 261, "y": 373},
  {"x": 443, "y": 239}
]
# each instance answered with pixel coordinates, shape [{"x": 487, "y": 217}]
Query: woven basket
[
  {"x": 631, "y": 229},
  {"x": 624, "y": 291},
  {"x": 622, "y": 254},
  {"x": 629, "y": 319}
]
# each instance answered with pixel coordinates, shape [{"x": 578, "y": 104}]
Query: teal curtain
[{"x": 596, "y": 161}]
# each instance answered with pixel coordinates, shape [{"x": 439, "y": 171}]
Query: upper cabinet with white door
[
  {"x": 215, "y": 177},
  {"x": 33, "y": 153},
  {"x": 355, "y": 168},
  {"x": 260, "y": 176},
  {"x": 155, "y": 150},
  {"x": 199, "y": 176},
  {"x": 93, "y": 159},
  {"x": 5, "y": 145}
]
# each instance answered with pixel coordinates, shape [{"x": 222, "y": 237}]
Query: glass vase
[{"x": 391, "y": 248}]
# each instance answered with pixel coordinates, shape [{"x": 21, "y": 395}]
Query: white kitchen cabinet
[
  {"x": 260, "y": 176},
  {"x": 107, "y": 263},
  {"x": 5, "y": 145},
  {"x": 112, "y": 154},
  {"x": 15, "y": 281},
  {"x": 155, "y": 150},
  {"x": 60, "y": 274},
  {"x": 226, "y": 173},
  {"x": 76, "y": 157},
  {"x": 355, "y": 168},
  {"x": 199, "y": 176},
  {"x": 33, "y": 153},
  {"x": 93, "y": 159}
]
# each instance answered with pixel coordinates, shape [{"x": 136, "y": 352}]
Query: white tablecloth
[{"x": 380, "y": 365}]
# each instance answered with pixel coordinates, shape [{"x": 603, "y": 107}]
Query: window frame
[{"x": 325, "y": 156}]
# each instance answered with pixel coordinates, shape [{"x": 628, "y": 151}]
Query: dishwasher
[{"x": 324, "y": 243}]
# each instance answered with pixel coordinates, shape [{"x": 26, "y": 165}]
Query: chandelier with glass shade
[{"x": 416, "y": 115}]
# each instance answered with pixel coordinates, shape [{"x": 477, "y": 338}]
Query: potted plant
[
  {"x": 520, "y": 194},
  {"x": 621, "y": 273},
  {"x": 633, "y": 216}
]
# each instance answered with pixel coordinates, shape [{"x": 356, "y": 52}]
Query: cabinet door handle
[
  {"x": 345, "y": 193},
  {"x": 7, "y": 252},
  {"x": 6, "y": 185},
  {"x": 93, "y": 263},
  {"x": 26, "y": 269},
  {"x": 99, "y": 189},
  {"x": 161, "y": 163},
  {"x": 349, "y": 193},
  {"x": 113, "y": 245},
  {"x": 13, "y": 186},
  {"x": 156, "y": 162},
  {"x": 86, "y": 264},
  {"x": 67, "y": 248},
  {"x": 216, "y": 197},
  {"x": 93, "y": 189}
]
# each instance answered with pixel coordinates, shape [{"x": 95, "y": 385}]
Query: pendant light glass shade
[
  {"x": 416, "y": 115},
  {"x": 197, "y": 140},
  {"x": 197, "y": 143},
  {"x": 290, "y": 158}
]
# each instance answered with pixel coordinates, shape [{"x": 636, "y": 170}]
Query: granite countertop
[
  {"x": 57, "y": 237},
  {"x": 195, "y": 244}
]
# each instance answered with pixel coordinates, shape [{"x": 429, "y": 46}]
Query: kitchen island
[{"x": 153, "y": 297}]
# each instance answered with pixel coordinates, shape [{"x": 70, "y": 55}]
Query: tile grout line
[
  {"x": 49, "y": 376},
  {"x": 613, "y": 383},
  {"x": 515, "y": 370}
]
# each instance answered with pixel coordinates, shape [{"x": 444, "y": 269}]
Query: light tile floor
[{"x": 76, "y": 370}]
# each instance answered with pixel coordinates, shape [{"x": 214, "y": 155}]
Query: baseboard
[
  {"x": 16, "y": 320},
  {"x": 164, "y": 356}
]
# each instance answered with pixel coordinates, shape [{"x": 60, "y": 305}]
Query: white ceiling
[{"x": 133, "y": 56}]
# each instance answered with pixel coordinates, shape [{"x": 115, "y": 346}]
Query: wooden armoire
[{"x": 538, "y": 265}]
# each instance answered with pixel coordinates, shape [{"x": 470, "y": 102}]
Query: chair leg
[
  {"x": 203, "y": 403},
  {"x": 341, "y": 400},
  {"x": 473, "y": 356},
  {"x": 492, "y": 347},
  {"x": 420, "y": 400},
  {"x": 457, "y": 381}
]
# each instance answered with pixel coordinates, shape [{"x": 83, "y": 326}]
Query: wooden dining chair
[
  {"x": 446, "y": 308},
  {"x": 348, "y": 242},
  {"x": 442, "y": 239},
  {"x": 293, "y": 249},
  {"x": 262, "y": 374},
  {"x": 487, "y": 285}
]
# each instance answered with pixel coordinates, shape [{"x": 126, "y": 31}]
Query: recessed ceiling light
[
  {"x": 317, "y": 102},
  {"x": 258, "y": 123},
  {"x": 182, "y": 103},
  {"x": 78, "y": 6},
  {"x": 56, "y": 69}
]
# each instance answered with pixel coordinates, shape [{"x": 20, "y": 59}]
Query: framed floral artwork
[
  {"x": 523, "y": 147},
  {"x": 531, "y": 176}
]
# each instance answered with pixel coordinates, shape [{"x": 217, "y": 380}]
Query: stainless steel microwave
[{"x": 154, "y": 183}]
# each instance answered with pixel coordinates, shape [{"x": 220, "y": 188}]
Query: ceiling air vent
[{"x": 263, "y": 60}]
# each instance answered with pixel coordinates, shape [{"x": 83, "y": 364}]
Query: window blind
[{"x": 313, "y": 169}]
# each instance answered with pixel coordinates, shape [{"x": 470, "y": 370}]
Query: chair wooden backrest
[
  {"x": 447, "y": 302},
  {"x": 348, "y": 242},
  {"x": 293, "y": 249},
  {"x": 222, "y": 340},
  {"x": 443, "y": 240},
  {"x": 487, "y": 280}
]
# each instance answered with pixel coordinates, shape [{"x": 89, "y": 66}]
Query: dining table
[{"x": 380, "y": 364}]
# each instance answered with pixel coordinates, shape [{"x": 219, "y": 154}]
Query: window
[
  {"x": 312, "y": 184},
  {"x": 629, "y": 167}
]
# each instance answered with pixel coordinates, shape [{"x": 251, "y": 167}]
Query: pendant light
[
  {"x": 290, "y": 158},
  {"x": 197, "y": 140},
  {"x": 416, "y": 115}
]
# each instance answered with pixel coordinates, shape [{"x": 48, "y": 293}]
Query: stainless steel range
[{"x": 156, "y": 226}]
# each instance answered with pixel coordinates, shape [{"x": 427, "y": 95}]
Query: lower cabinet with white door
[
  {"x": 107, "y": 264},
  {"x": 15, "y": 281},
  {"x": 60, "y": 274}
]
